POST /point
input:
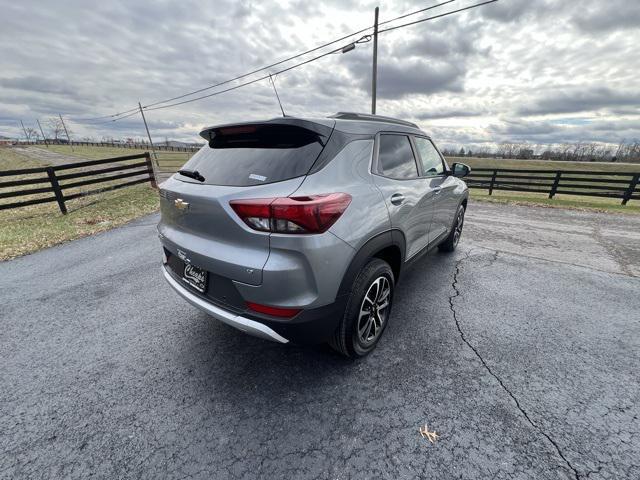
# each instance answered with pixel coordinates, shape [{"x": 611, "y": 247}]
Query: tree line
[
  {"x": 53, "y": 127},
  {"x": 625, "y": 151}
]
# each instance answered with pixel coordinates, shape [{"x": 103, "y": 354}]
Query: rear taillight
[{"x": 296, "y": 215}]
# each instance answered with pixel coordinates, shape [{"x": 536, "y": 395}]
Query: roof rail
[{"x": 371, "y": 118}]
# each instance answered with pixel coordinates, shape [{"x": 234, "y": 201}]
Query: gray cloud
[
  {"x": 504, "y": 72},
  {"x": 440, "y": 114},
  {"x": 511, "y": 10},
  {"x": 38, "y": 85},
  {"x": 416, "y": 77},
  {"x": 608, "y": 16},
  {"x": 580, "y": 99}
]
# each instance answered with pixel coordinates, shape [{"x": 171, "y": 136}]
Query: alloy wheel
[
  {"x": 374, "y": 311},
  {"x": 458, "y": 229}
]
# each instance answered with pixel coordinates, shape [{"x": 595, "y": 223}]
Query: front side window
[
  {"x": 395, "y": 157},
  {"x": 431, "y": 161}
]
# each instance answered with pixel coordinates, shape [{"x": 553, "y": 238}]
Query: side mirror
[{"x": 460, "y": 170}]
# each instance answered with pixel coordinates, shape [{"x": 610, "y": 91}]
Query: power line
[
  {"x": 126, "y": 116},
  {"x": 363, "y": 39},
  {"x": 126, "y": 113},
  {"x": 415, "y": 13},
  {"x": 135, "y": 112},
  {"x": 239, "y": 77},
  {"x": 106, "y": 116},
  {"x": 158, "y": 105},
  {"x": 437, "y": 16}
]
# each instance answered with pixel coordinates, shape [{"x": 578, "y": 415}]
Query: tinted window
[
  {"x": 395, "y": 157},
  {"x": 431, "y": 161},
  {"x": 254, "y": 155}
]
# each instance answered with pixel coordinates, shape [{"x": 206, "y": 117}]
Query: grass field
[
  {"x": 170, "y": 162},
  {"x": 25, "y": 230},
  {"x": 28, "y": 229},
  {"x": 475, "y": 162},
  {"x": 167, "y": 161},
  {"x": 93, "y": 152},
  {"x": 560, "y": 200},
  {"x": 10, "y": 160}
]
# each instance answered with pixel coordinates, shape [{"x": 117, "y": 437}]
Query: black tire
[
  {"x": 352, "y": 338},
  {"x": 451, "y": 242}
]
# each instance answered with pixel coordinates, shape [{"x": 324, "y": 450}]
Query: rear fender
[{"x": 368, "y": 251}]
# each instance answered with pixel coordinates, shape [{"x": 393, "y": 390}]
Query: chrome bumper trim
[{"x": 251, "y": 327}]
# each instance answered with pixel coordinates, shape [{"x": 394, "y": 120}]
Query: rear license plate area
[{"x": 195, "y": 277}]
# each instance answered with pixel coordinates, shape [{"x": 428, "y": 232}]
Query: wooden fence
[
  {"x": 135, "y": 146},
  {"x": 622, "y": 185},
  {"x": 120, "y": 168}
]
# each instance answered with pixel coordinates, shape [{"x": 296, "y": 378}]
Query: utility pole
[
  {"x": 374, "y": 76},
  {"x": 66, "y": 132},
  {"x": 42, "y": 132},
  {"x": 25, "y": 132},
  {"x": 153, "y": 149}
]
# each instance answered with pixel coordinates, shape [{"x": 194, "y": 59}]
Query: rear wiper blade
[{"x": 192, "y": 174}]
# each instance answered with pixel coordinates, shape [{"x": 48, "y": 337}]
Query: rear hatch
[{"x": 256, "y": 160}]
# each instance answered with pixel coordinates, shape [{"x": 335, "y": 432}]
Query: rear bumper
[
  {"x": 241, "y": 323},
  {"x": 309, "y": 327},
  {"x": 297, "y": 271}
]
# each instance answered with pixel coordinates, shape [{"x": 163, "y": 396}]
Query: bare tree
[
  {"x": 32, "y": 134},
  {"x": 56, "y": 128}
]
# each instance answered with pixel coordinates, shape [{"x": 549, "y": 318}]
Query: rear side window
[
  {"x": 431, "y": 161},
  {"x": 254, "y": 155},
  {"x": 395, "y": 157}
]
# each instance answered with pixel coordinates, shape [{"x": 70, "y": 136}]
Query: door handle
[
  {"x": 437, "y": 190},
  {"x": 397, "y": 198}
]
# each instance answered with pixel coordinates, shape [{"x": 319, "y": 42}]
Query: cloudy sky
[{"x": 540, "y": 71}]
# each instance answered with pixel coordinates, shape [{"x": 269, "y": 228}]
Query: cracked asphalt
[{"x": 521, "y": 350}]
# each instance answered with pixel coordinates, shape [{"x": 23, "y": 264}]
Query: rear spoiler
[{"x": 322, "y": 128}]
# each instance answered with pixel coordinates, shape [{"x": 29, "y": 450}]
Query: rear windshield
[{"x": 254, "y": 155}]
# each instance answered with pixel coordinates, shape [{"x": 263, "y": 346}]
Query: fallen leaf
[{"x": 431, "y": 436}]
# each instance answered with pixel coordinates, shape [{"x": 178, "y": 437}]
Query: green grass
[
  {"x": 11, "y": 160},
  {"x": 560, "y": 200},
  {"x": 28, "y": 229},
  {"x": 574, "y": 202},
  {"x": 475, "y": 162}
]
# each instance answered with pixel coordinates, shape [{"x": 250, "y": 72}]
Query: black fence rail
[
  {"x": 622, "y": 185},
  {"x": 121, "y": 172},
  {"x": 134, "y": 146}
]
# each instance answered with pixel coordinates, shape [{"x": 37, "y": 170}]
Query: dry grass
[
  {"x": 167, "y": 161},
  {"x": 560, "y": 200},
  {"x": 573, "y": 202},
  {"x": 475, "y": 162},
  {"x": 28, "y": 229}
]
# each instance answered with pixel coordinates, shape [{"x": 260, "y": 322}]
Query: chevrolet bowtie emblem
[{"x": 180, "y": 204}]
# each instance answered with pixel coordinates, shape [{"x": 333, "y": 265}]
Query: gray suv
[{"x": 297, "y": 229}]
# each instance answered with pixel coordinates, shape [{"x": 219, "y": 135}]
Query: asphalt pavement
[{"x": 521, "y": 350}]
